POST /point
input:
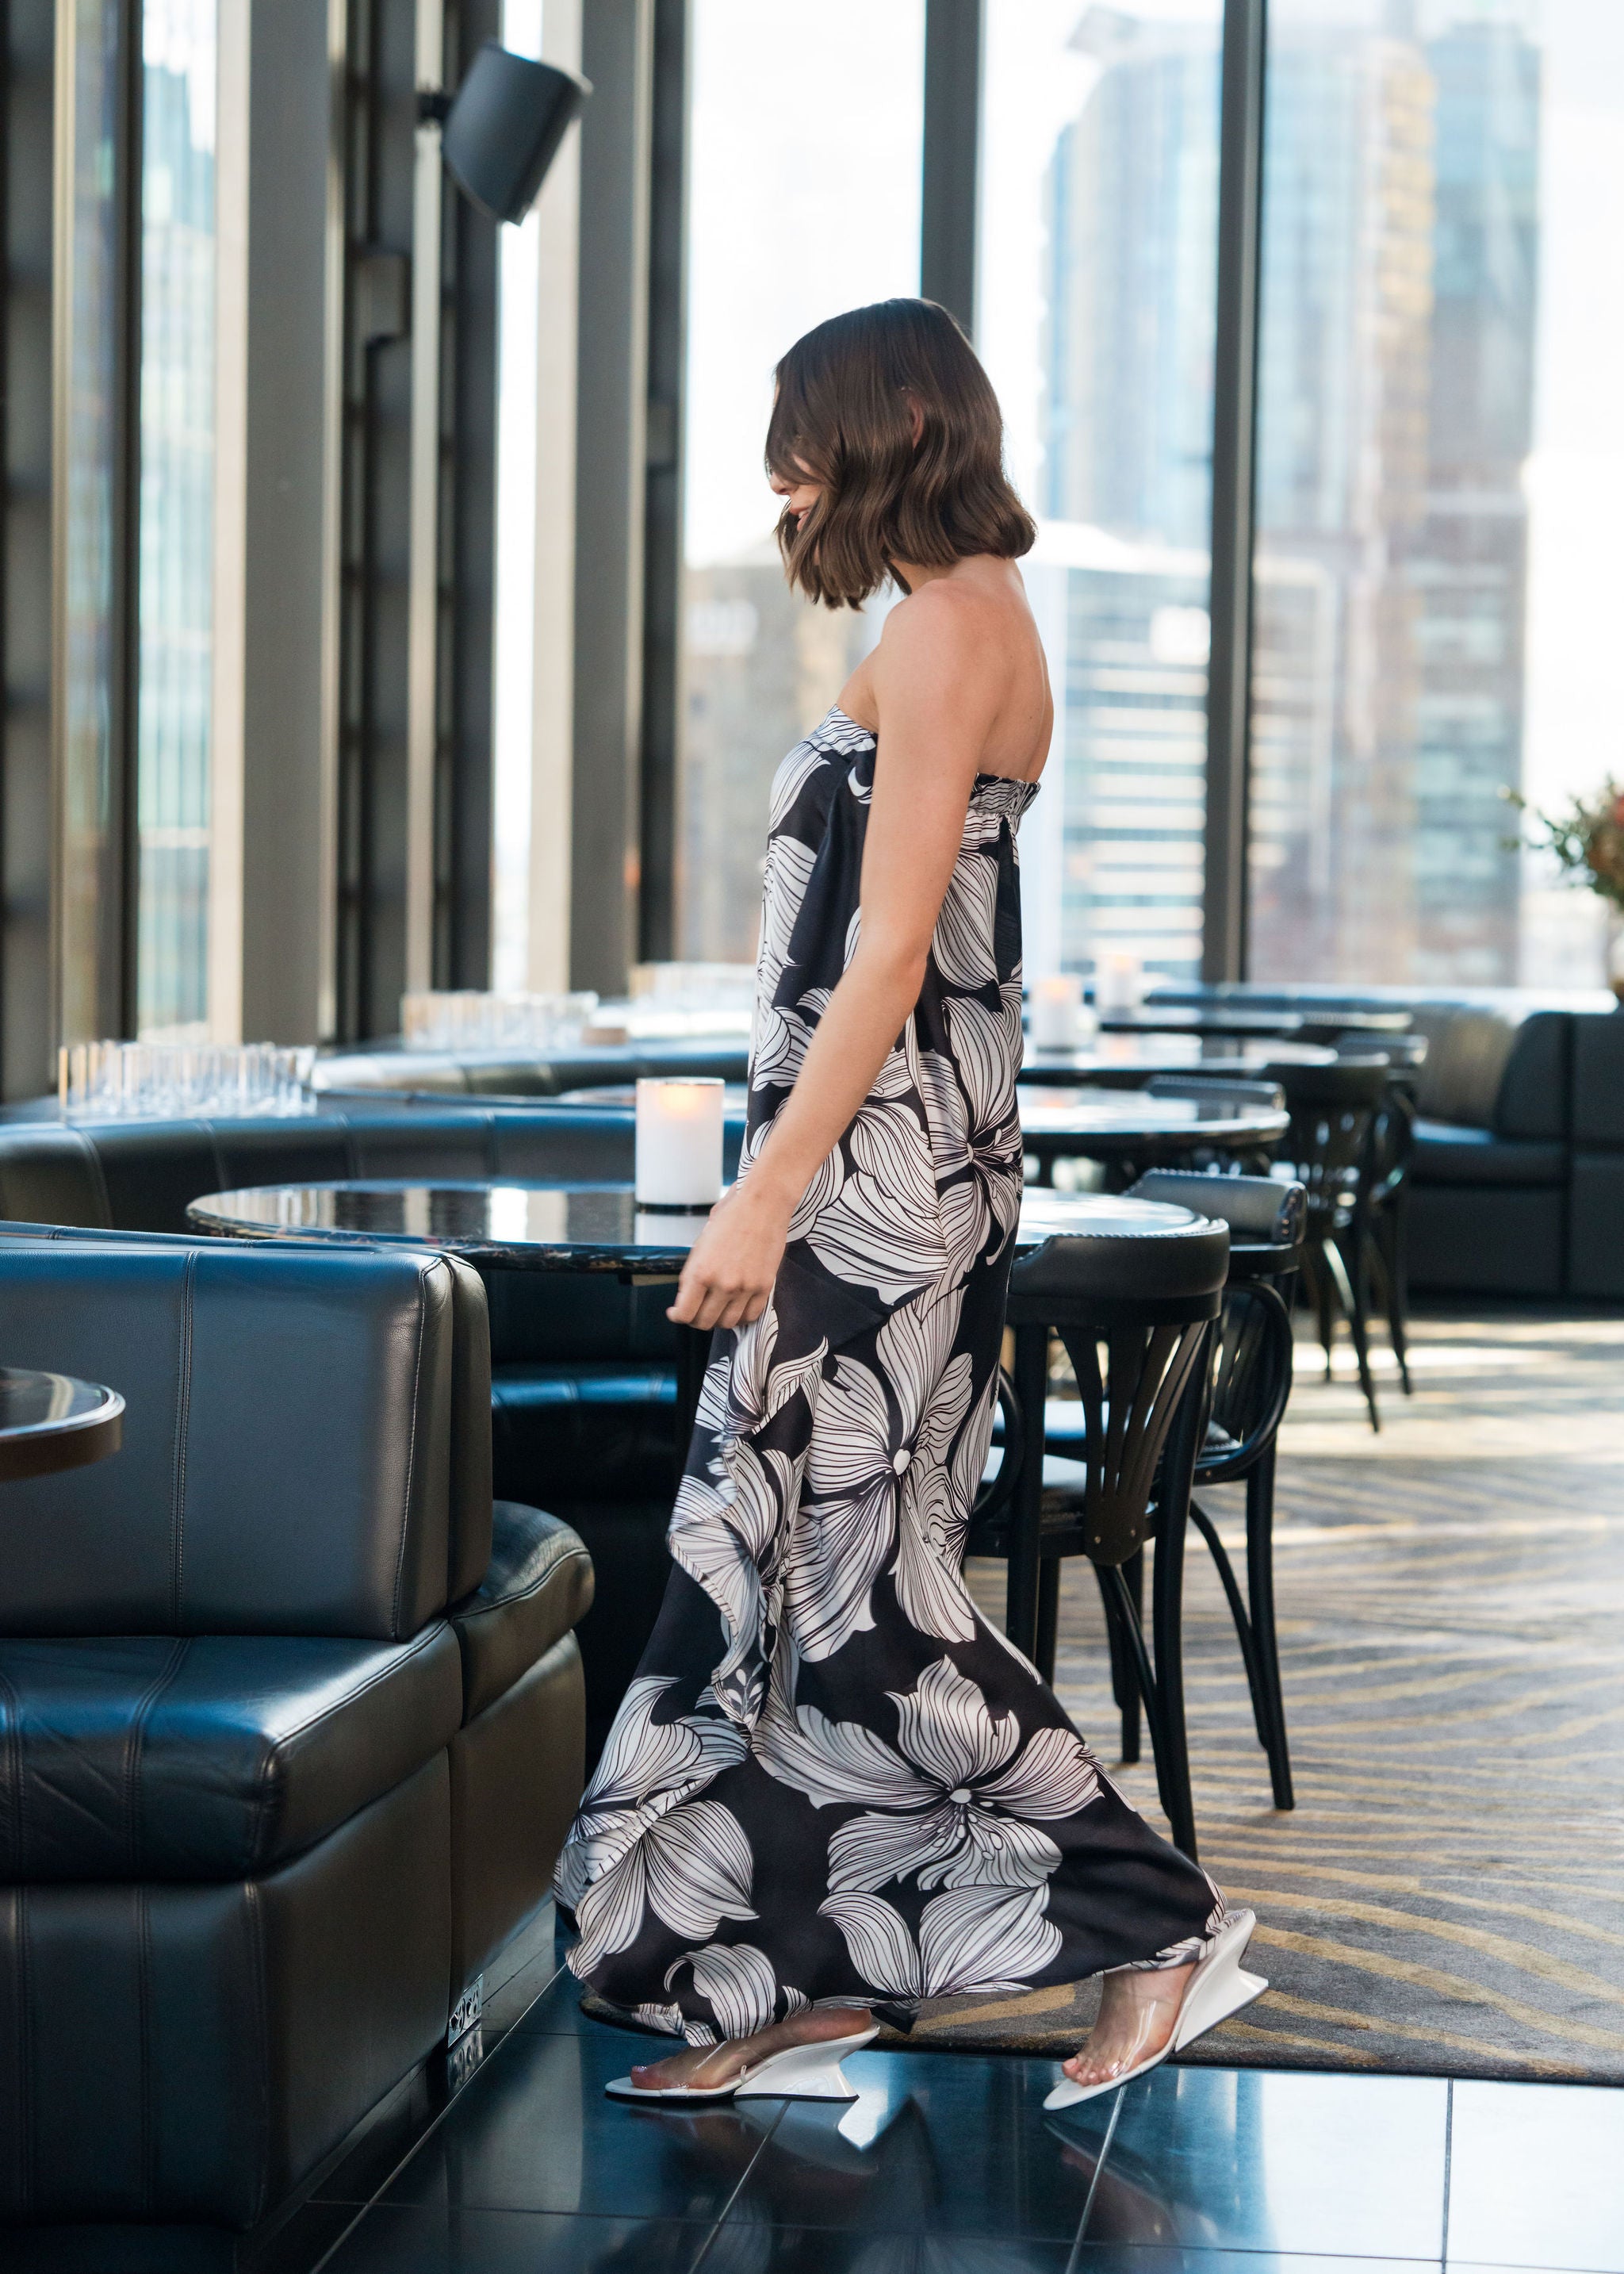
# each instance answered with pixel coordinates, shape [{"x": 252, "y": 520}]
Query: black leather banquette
[{"x": 291, "y": 1718}]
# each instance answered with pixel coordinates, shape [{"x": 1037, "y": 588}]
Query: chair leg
[
  {"x": 1265, "y": 1641},
  {"x": 1030, "y": 1375},
  {"x": 1349, "y": 1285},
  {"x": 1128, "y": 1697},
  {"x": 1395, "y": 1242},
  {"x": 1169, "y": 1731},
  {"x": 1049, "y": 1618},
  {"x": 1209, "y": 1531},
  {"x": 1124, "y": 1680},
  {"x": 1317, "y": 1284}
]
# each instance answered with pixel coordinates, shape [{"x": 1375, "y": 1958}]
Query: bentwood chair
[
  {"x": 1391, "y": 1149},
  {"x": 1133, "y": 1299},
  {"x": 1250, "y": 1387},
  {"x": 1333, "y": 1111}
]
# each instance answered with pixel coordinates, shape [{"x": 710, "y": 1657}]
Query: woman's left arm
[{"x": 937, "y": 679}]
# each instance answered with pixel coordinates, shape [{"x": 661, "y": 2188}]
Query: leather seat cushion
[
  {"x": 539, "y": 1585},
  {"x": 206, "y": 1756},
  {"x": 1448, "y": 1153},
  {"x": 598, "y": 1429}
]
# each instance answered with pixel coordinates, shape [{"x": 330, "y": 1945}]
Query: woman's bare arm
[{"x": 938, "y": 678}]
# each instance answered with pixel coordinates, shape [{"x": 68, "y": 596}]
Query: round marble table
[
  {"x": 49, "y": 1422},
  {"x": 536, "y": 1227},
  {"x": 1127, "y": 1132},
  {"x": 1128, "y": 1061},
  {"x": 1242, "y": 1023}
]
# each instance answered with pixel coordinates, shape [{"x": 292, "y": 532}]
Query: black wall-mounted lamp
[{"x": 501, "y": 130}]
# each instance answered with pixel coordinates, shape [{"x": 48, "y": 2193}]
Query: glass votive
[
  {"x": 679, "y": 1143},
  {"x": 1118, "y": 982},
  {"x": 1057, "y": 1004}
]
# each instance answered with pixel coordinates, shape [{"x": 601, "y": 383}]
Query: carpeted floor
[{"x": 1447, "y": 1896}]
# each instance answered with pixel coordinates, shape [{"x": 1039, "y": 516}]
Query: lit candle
[
  {"x": 1056, "y": 1012},
  {"x": 1118, "y": 982},
  {"x": 679, "y": 1158}
]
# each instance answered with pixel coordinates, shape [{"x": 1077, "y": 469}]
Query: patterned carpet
[{"x": 1448, "y": 1895}]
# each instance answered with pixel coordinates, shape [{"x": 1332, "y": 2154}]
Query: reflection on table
[{"x": 49, "y": 1422}]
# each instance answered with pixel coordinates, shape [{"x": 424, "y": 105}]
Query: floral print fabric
[{"x": 833, "y": 1779}]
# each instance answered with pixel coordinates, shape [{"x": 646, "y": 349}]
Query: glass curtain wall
[
  {"x": 89, "y": 695},
  {"x": 517, "y": 376},
  {"x": 176, "y": 515},
  {"x": 1098, "y": 258},
  {"x": 804, "y": 201},
  {"x": 1441, "y": 482}
]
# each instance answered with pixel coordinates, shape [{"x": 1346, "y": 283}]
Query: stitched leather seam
[
  {"x": 411, "y": 1445},
  {"x": 493, "y": 1610},
  {"x": 136, "y": 1740},
  {"x": 291, "y": 1737},
  {"x": 183, "y": 1425}
]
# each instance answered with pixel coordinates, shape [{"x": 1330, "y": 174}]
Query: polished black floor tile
[
  {"x": 558, "y": 2013},
  {"x": 534, "y": 2131},
  {"x": 1249, "y": 2160},
  {"x": 936, "y": 2145},
  {"x": 1148, "y": 2258},
  {"x": 1537, "y": 2176},
  {"x": 441, "y": 2239},
  {"x": 742, "y": 2248}
]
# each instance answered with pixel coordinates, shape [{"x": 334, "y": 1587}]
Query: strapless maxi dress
[{"x": 832, "y": 1779}]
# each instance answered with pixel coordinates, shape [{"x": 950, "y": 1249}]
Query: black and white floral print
[{"x": 832, "y": 1780}]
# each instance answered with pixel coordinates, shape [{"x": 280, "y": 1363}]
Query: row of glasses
[
  {"x": 464, "y": 1019},
  {"x": 115, "y": 1081}
]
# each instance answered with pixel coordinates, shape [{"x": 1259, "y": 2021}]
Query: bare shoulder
[{"x": 957, "y": 632}]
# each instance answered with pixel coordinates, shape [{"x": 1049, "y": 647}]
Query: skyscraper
[{"x": 1399, "y": 255}]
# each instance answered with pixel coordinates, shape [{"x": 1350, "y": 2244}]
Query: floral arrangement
[{"x": 1587, "y": 840}]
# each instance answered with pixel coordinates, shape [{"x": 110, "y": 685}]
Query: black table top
[
  {"x": 1123, "y": 1061},
  {"x": 1117, "y": 1125},
  {"x": 1187, "y": 1018},
  {"x": 535, "y": 1227},
  {"x": 49, "y": 1422}
]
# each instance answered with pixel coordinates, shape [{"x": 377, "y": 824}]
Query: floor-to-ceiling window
[
  {"x": 1441, "y": 481},
  {"x": 1097, "y": 268},
  {"x": 92, "y": 567},
  {"x": 176, "y": 516},
  {"x": 804, "y": 201}
]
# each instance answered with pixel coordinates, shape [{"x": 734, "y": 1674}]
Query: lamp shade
[{"x": 504, "y": 127}]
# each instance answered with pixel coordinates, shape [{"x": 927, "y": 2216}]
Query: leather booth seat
[
  {"x": 530, "y": 1073},
  {"x": 292, "y": 1717},
  {"x": 1517, "y": 1180},
  {"x": 583, "y": 1368}
]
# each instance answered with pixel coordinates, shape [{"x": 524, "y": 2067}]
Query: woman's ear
[{"x": 916, "y": 417}]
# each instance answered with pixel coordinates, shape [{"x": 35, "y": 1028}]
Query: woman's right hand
[{"x": 732, "y": 1265}]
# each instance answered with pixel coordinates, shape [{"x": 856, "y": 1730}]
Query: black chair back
[{"x": 1332, "y": 1109}]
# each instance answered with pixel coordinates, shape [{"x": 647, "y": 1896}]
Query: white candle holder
[
  {"x": 1118, "y": 982},
  {"x": 1060, "y": 1020},
  {"x": 678, "y": 1148}
]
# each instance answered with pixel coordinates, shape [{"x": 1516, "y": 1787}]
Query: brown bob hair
[{"x": 842, "y": 419}]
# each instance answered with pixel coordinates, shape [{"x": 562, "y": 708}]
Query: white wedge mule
[
  {"x": 1219, "y": 1986},
  {"x": 810, "y": 2072}
]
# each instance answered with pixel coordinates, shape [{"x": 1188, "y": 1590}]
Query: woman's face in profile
[{"x": 798, "y": 496}]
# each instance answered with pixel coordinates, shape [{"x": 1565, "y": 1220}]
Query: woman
[{"x": 833, "y": 1788}]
